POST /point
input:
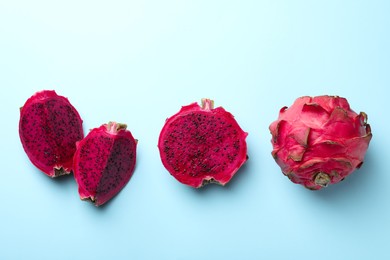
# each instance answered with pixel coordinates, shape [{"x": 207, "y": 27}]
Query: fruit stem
[
  {"x": 114, "y": 127},
  {"x": 322, "y": 179},
  {"x": 207, "y": 104}
]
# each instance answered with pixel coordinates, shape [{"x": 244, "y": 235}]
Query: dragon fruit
[
  {"x": 319, "y": 140},
  {"x": 201, "y": 145},
  {"x": 49, "y": 128},
  {"x": 104, "y": 162}
]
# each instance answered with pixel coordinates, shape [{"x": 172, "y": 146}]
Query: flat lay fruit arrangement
[{"x": 316, "y": 142}]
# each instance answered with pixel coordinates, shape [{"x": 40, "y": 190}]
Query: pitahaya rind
[
  {"x": 104, "y": 162},
  {"x": 202, "y": 144},
  {"x": 49, "y": 128},
  {"x": 319, "y": 140}
]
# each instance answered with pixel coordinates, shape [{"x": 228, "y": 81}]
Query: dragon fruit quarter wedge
[
  {"x": 319, "y": 140},
  {"x": 104, "y": 162},
  {"x": 49, "y": 128}
]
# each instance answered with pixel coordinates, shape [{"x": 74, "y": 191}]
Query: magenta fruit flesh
[
  {"x": 201, "y": 145},
  {"x": 49, "y": 128},
  {"x": 104, "y": 162}
]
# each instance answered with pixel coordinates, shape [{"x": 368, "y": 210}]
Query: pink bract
[
  {"x": 319, "y": 140},
  {"x": 202, "y": 144},
  {"x": 104, "y": 162},
  {"x": 49, "y": 128}
]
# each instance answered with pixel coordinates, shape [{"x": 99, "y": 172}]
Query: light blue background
[{"x": 137, "y": 62}]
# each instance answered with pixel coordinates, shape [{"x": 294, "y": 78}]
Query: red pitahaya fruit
[
  {"x": 49, "y": 128},
  {"x": 201, "y": 145},
  {"x": 319, "y": 140},
  {"x": 104, "y": 162}
]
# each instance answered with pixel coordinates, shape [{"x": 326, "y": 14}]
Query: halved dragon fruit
[
  {"x": 319, "y": 140},
  {"x": 104, "y": 162},
  {"x": 49, "y": 128},
  {"x": 201, "y": 145}
]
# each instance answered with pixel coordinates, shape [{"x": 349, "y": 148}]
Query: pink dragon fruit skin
[
  {"x": 49, "y": 128},
  {"x": 201, "y": 145},
  {"x": 319, "y": 140},
  {"x": 104, "y": 162}
]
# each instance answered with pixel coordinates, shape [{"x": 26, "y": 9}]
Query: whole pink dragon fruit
[
  {"x": 319, "y": 140},
  {"x": 201, "y": 145},
  {"x": 104, "y": 162},
  {"x": 49, "y": 128}
]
